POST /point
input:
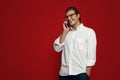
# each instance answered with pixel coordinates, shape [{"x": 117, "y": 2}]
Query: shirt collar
[{"x": 80, "y": 26}]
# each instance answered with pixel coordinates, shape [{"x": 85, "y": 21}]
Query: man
[{"x": 78, "y": 45}]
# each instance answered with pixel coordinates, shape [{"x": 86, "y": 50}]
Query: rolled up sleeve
[
  {"x": 91, "y": 55},
  {"x": 57, "y": 46}
]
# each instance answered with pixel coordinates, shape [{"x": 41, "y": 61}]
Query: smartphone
[{"x": 67, "y": 24}]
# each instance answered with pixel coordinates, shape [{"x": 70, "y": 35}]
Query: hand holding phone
[{"x": 67, "y": 24}]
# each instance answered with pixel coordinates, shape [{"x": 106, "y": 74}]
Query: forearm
[
  {"x": 62, "y": 37},
  {"x": 88, "y": 70}
]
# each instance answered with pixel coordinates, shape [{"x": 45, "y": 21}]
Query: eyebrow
[{"x": 70, "y": 15}]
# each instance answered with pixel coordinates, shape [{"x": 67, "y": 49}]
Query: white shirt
[{"x": 78, "y": 51}]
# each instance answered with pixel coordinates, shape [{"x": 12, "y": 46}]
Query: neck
[{"x": 76, "y": 25}]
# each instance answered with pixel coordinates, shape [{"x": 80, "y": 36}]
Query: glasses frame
[{"x": 71, "y": 15}]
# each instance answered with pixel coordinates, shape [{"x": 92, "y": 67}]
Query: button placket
[{"x": 70, "y": 56}]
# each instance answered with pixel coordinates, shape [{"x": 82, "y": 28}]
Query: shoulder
[{"x": 88, "y": 29}]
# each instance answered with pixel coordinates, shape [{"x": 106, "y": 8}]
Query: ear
[{"x": 78, "y": 16}]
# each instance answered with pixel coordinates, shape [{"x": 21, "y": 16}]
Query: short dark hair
[{"x": 74, "y": 9}]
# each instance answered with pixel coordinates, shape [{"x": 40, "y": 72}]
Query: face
[{"x": 72, "y": 18}]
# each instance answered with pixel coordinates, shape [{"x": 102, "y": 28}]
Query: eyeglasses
[{"x": 71, "y": 15}]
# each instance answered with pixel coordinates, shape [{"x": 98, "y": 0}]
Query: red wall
[{"x": 28, "y": 29}]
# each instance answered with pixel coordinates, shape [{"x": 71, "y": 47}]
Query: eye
[{"x": 71, "y": 15}]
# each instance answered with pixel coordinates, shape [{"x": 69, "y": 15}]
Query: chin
[{"x": 71, "y": 24}]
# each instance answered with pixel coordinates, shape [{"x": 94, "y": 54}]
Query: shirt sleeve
[
  {"x": 91, "y": 55},
  {"x": 57, "y": 46}
]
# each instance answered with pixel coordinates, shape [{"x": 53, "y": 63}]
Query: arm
[
  {"x": 62, "y": 37},
  {"x": 59, "y": 42},
  {"x": 91, "y": 55},
  {"x": 64, "y": 33}
]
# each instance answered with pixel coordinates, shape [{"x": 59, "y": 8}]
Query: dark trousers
[{"x": 82, "y": 76}]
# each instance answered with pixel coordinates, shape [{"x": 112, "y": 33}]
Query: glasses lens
[{"x": 71, "y": 15}]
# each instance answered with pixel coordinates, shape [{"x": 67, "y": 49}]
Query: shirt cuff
[{"x": 90, "y": 62}]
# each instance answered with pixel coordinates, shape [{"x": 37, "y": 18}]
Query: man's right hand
[{"x": 65, "y": 29}]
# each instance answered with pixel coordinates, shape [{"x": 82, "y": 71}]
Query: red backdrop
[{"x": 28, "y": 29}]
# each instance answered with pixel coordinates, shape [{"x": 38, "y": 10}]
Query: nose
[{"x": 69, "y": 17}]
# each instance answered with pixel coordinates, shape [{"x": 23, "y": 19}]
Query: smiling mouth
[{"x": 70, "y": 21}]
